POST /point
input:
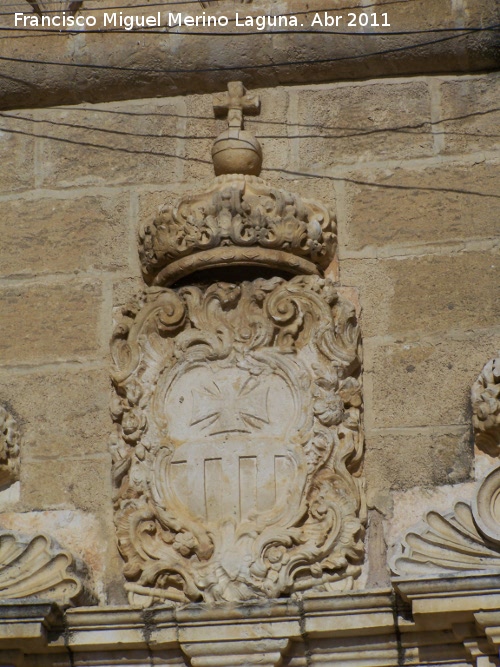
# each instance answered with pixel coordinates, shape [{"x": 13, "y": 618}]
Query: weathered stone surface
[
  {"x": 356, "y": 123},
  {"x": 52, "y": 235},
  {"x": 409, "y": 296},
  {"x": 236, "y": 405},
  {"x": 321, "y": 189},
  {"x": 424, "y": 383},
  {"x": 126, "y": 291},
  {"x": 107, "y": 145},
  {"x": 71, "y": 483},
  {"x": 272, "y": 128},
  {"x": 200, "y": 127},
  {"x": 470, "y": 113},
  {"x": 401, "y": 460},
  {"x": 64, "y": 414},
  {"x": 422, "y": 15},
  {"x": 377, "y": 571},
  {"x": 410, "y": 505},
  {"x": 421, "y": 206},
  {"x": 52, "y": 322},
  {"x": 17, "y": 155}
]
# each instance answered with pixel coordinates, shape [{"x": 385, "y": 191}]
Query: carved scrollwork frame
[{"x": 294, "y": 341}]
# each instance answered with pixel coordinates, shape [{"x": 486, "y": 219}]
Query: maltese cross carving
[{"x": 225, "y": 406}]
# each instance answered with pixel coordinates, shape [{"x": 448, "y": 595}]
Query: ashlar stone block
[
  {"x": 48, "y": 235},
  {"x": 408, "y": 296},
  {"x": 43, "y": 323},
  {"x": 337, "y": 129},
  {"x": 469, "y": 108},
  {"x": 109, "y": 144},
  {"x": 405, "y": 207}
]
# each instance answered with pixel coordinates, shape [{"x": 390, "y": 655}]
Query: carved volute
[{"x": 237, "y": 404}]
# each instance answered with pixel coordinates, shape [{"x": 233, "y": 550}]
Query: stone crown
[{"x": 237, "y": 220}]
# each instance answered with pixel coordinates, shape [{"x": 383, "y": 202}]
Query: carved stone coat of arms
[{"x": 237, "y": 405}]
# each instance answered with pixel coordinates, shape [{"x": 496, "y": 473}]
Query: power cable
[
  {"x": 351, "y": 132},
  {"x": 211, "y": 33},
  {"x": 272, "y": 169},
  {"x": 236, "y": 67},
  {"x": 197, "y": 2}
]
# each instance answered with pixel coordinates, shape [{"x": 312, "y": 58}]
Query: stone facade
[{"x": 403, "y": 175}]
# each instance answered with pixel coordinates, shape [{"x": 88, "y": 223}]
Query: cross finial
[
  {"x": 236, "y": 151},
  {"x": 236, "y": 103}
]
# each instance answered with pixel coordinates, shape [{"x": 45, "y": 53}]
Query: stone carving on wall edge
[
  {"x": 237, "y": 402},
  {"x": 34, "y": 566},
  {"x": 10, "y": 440},
  {"x": 468, "y": 537},
  {"x": 486, "y": 407}
]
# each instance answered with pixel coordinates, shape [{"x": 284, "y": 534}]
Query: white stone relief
[
  {"x": 238, "y": 415},
  {"x": 443, "y": 543},
  {"x": 34, "y": 566}
]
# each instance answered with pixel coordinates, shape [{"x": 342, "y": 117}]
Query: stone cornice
[
  {"x": 195, "y": 628},
  {"x": 456, "y": 618},
  {"x": 49, "y": 84}
]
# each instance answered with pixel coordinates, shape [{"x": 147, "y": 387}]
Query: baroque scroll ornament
[{"x": 237, "y": 411}]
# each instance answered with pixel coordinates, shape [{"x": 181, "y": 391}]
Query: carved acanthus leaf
[
  {"x": 486, "y": 407},
  {"x": 233, "y": 469},
  {"x": 34, "y": 566},
  {"x": 10, "y": 441},
  {"x": 466, "y": 539},
  {"x": 237, "y": 220}
]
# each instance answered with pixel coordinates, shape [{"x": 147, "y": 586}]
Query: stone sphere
[{"x": 237, "y": 153}]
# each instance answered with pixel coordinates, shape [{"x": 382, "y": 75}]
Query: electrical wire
[
  {"x": 197, "y": 2},
  {"x": 211, "y": 33},
  {"x": 348, "y": 132},
  {"x": 230, "y": 68},
  {"x": 288, "y": 172}
]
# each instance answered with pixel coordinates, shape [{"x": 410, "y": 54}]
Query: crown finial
[{"x": 236, "y": 151}]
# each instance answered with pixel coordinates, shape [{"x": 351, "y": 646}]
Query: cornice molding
[{"x": 118, "y": 68}]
